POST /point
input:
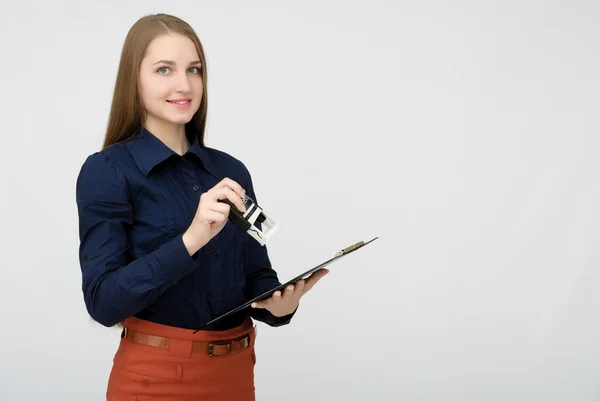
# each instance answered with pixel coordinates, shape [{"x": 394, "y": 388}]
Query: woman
[{"x": 157, "y": 253}]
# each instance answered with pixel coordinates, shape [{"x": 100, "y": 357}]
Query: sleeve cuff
[
  {"x": 175, "y": 260},
  {"x": 267, "y": 317}
]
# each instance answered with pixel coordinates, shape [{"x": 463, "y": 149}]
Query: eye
[
  {"x": 162, "y": 70},
  {"x": 194, "y": 70}
]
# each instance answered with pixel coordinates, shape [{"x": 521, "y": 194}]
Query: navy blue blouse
[{"x": 135, "y": 200}]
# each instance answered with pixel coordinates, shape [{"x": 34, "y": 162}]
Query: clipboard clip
[
  {"x": 353, "y": 248},
  {"x": 350, "y": 248}
]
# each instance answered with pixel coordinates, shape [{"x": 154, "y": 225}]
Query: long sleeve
[
  {"x": 115, "y": 287},
  {"x": 261, "y": 276}
]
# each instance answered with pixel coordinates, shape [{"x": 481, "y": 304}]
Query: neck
[{"x": 172, "y": 135}]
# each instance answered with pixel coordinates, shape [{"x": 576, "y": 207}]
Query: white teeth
[{"x": 183, "y": 102}]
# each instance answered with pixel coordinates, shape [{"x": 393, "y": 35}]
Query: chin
[{"x": 180, "y": 120}]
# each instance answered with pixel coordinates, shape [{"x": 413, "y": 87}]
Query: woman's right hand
[{"x": 212, "y": 215}]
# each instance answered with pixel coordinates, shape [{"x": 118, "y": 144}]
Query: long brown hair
[{"x": 127, "y": 113}]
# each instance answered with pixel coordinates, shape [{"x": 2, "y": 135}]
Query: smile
[{"x": 180, "y": 103}]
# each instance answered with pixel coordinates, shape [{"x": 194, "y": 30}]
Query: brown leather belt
[{"x": 214, "y": 348}]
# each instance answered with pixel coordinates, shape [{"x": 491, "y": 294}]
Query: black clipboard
[{"x": 307, "y": 273}]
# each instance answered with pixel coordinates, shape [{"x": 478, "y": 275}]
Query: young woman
[{"x": 158, "y": 256}]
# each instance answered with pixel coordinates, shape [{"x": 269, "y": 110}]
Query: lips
[{"x": 180, "y": 101}]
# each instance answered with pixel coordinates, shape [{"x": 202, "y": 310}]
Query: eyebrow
[{"x": 171, "y": 62}]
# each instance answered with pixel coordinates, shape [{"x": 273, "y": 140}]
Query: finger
[
  {"x": 288, "y": 292},
  {"x": 298, "y": 291},
  {"x": 218, "y": 207},
  {"x": 228, "y": 182},
  {"x": 314, "y": 278},
  {"x": 228, "y": 193},
  {"x": 267, "y": 303},
  {"x": 259, "y": 305},
  {"x": 211, "y": 216}
]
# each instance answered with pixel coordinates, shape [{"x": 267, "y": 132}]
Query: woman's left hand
[{"x": 282, "y": 305}]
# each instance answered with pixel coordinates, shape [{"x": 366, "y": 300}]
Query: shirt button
[
  {"x": 216, "y": 294},
  {"x": 215, "y": 256},
  {"x": 196, "y": 187},
  {"x": 182, "y": 272},
  {"x": 85, "y": 256}
]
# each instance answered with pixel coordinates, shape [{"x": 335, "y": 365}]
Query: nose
[{"x": 183, "y": 83}]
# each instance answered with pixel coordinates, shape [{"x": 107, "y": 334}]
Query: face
[{"x": 170, "y": 80}]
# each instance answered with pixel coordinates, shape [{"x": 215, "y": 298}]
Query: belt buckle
[
  {"x": 229, "y": 343},
  {"x": 211, "y": 347}
]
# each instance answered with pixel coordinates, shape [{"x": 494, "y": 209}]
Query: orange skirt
[{"x": 178, "y": 369}]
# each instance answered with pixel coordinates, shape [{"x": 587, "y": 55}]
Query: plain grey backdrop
[{"x": 464, "y": 134}]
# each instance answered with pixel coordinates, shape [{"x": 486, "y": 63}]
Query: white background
[{"x": 464, "y": 134}]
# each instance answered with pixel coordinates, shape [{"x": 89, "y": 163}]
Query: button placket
[
  {"x": 216, "y": 270},
  {"x": 189, "y": 174}
]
